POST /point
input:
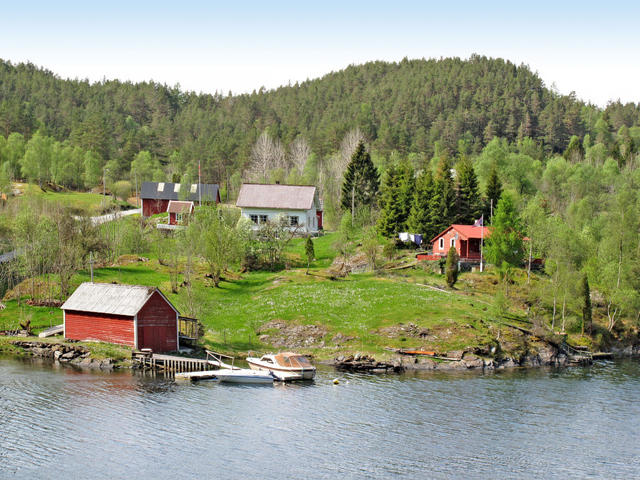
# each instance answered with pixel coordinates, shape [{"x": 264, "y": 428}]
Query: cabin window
[
  {"x": 161, "y": 187},
  {"x": 176, "y": 188},
  {"x": 263, "y": 218},
  {"x": 441, "y": 244},
  {"x": 254, "y": 218},
  {"x": 179, "y": 217},
  {"x": 293, "y": 221},
  {"x": 452, "y": 243},
  {"x": 194, "y": 187}
]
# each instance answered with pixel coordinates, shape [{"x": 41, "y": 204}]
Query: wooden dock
[
  {"x": 172, "y": 363},
  {"x": 202, "y": 375}
]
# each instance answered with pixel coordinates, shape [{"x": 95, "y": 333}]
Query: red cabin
[
  {"x": 157, "y": 195},
  {"x": 466, "y": 239},
  {"x": 179, "y": 212},
  {"x": 132, "y": 315}
]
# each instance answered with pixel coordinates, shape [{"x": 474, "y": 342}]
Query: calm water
[{"x": 575, "y": 423}]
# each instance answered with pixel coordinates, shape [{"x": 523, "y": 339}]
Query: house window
[
  {"x": 441, "y": 245},
  {"x": 263, "y": 218},
  {"x": 293, "y": 221},
  {"x": 179, "y": 217},
  {"x": 452, "y": 243},
  {"x": 254, "y": 218}
]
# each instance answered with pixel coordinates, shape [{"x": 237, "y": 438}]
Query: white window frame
[
  {"x": 254, "y": 218},
  {"x": 441, "y": 243},
  {"x": 263, "y": 218},
  {"x": 178, "y": 217},
  {"x": 294, "y": 221},
  {"x": 452, "y": 243}
]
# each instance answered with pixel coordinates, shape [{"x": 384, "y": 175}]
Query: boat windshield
[{"x": 291, "y": 360}]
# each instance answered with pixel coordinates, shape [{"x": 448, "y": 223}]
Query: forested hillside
[{"x": 419, "y": 107}]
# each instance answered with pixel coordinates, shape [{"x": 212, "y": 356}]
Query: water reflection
[{"x": 576, "y": 422}]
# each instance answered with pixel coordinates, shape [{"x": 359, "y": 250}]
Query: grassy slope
[{"x": 356, "y": 306}]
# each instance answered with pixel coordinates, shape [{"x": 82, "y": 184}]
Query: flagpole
[
  {"x": 481, "y": 242},
  {"x": 199, "y": 186}
]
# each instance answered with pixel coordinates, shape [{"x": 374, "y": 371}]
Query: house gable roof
[
  {"x": 286, "y": 197},
  {"x": 110, "y": 298},
  {"x": 466, "y": 232},
  {"x": 172, "y": 191},
  {"x": 176, "y": 206}
]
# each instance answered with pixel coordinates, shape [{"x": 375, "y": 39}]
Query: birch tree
[{"x": 267, "y": 155}]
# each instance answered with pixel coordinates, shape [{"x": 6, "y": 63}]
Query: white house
[{"x": 299, "y": 203}]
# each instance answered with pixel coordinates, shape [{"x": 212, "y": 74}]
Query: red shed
[
  {"x": 179, "y": 212},
  {"x": 133, "y": 315},
  {"x": 464, "y": 238}
]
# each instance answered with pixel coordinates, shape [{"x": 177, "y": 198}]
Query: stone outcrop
[{"x": 72, "y": 354}]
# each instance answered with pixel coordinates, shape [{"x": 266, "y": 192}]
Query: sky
[{"x": 590, "y": 48}]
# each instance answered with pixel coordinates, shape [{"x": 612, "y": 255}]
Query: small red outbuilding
[{"x": 133, "y": 315}]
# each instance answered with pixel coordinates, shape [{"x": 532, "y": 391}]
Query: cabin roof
[
  {"x": 110, "y": 298},
  {"x": 174, "y": 191},
  {"x": 466, "y": 231},
  {"x": 285, "y": 197},
  {"x": 176, "y": 206}
]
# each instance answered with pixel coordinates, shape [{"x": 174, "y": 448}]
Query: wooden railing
[{"x": 188, "y": 327}]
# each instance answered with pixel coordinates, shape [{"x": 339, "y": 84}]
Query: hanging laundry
[
  {"x": 417, "y": 239},
  {"x": 404, "y": 237}
]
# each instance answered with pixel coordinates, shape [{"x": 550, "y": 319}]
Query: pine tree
[
  {"x": 469, "y": 204},
  {"x": 575, "y": 151},
  {"x": 451, "y": 267},
  {"x": 309, "y": 252},
  {"x": 361, "y": 181},
  {"x": 442, "y": 207},
  {"x": 586, "y": 306},
  {"x": 493, "y": 194},
  {"x": 419, "y": 216},
  {"x": 389, "y": 206}
]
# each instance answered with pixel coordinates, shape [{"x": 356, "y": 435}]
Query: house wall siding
[
  {"x": 157, "y": 325},
  {"x": 308, "y": 219},
  {"x": 99, "y": 326},
  {"x": 152, "y": 206}
]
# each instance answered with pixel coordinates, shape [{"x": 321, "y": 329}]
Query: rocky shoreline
[
  {"x": 76, "y": 355},
  {"x": 459, "y": 361}
]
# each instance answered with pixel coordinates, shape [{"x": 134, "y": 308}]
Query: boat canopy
[{"x": 292, "y": 360}]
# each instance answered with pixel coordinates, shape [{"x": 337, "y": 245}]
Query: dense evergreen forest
[{"x": 414, "y": 107}]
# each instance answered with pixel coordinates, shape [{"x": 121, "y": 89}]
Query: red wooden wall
[
  {"x": 99, "y": 326},
  {"x": 157, "y": 325},
  {"x": 447, "y": 242},
  {"x": 151, "y": 206}
]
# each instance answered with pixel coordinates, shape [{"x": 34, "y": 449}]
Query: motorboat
[{"x": 285, "y": 366}]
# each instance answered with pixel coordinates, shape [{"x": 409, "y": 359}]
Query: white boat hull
[
  {"x": 283, "y": 373},
  {"x": 242, "y": 376}
]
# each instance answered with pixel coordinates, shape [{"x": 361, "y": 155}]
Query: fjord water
[{"x": 569, "y": 423}]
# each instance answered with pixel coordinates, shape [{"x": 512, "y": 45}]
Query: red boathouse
[{"x": 132, "y": 315}]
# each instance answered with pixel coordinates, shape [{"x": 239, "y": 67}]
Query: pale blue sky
[{"x": 588, "y": 47}]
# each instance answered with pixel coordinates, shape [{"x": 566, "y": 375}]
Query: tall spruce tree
[
  {"x": 361, "y": 181},
  {"x": 586, "y": 305},
  {"x": 396, "y": 195},
  {"x": 469, "y": 204},
  {"x": 442, "y": 207},
  {"x": 493, "y": 194},
  {"x": 390, "y": 214},
  {"x": 419, "y": 220}
]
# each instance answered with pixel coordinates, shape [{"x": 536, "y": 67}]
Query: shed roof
[
  {"x": 466, "y": 231},
  {"x": 173, "y": 191},
  {"x": 176, "y": 206},
  {"x": 290, "y": 197},
  {"x": 111, "y": 298}
]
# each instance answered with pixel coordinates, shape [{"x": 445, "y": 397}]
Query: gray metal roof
[
  {"x": 293, "y": 197},
  {"x": 167, "y": 191},
  {"x": 110, "y": 298}
]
